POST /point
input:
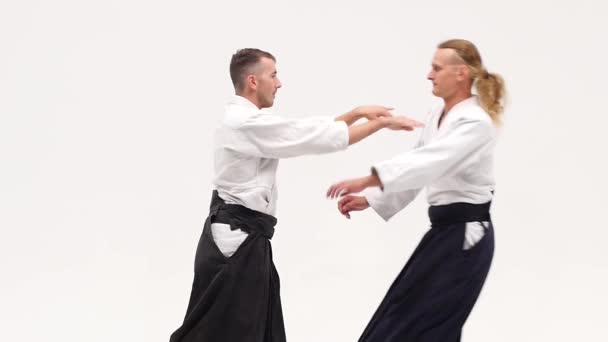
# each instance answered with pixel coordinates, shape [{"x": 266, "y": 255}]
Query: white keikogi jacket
[
  {"x": 454, "y": 162},
  {"x": 248, "y": 146}
]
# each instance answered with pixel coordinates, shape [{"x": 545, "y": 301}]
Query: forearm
[
  {"x": 373, "y": 181},
  {"x": 357, "y": 133},
  {"x": 421, "y": 166},
  {"x": 353, "y": 186},
  {"x": 350, "y": 118}
]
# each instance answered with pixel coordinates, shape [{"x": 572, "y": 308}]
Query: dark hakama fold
[
  {"x": 434, "y": 293},
  {"x": 234, "y": 299}
]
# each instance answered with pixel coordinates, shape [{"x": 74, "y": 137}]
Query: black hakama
[
  {"x": 234, "y": 299},
  {"x": 433, "y": 295}
]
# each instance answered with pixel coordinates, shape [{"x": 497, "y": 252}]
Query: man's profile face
[
  {"x": 267, "y": 82},
  {"x": 444, "y": 74}
]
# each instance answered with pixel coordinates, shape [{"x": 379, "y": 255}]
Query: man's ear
[
  {"x": 464, "y": 73},
  {"x": 251, "y": 82}
]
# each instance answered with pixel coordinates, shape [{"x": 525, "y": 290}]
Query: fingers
[
  {"x": 416, "y": 123},
  {"x": 408, "y": 124},
  {"x": 400, "y": 121},
  {"x": 338, "y": 190},
  {"x": 344, "y": 201},
  {"x": 387, "y": 111},
  {"x": 382, "y": 108},
  {"x": 412, "y": 122},
  {"x": 373, "y": 109},
  {"x": 380, "y": 112},
  {"x": 350, "y": 206},
  {"x": 343, "y": 212},
  {"x": 344, "y": 209},
  {"x": 351, "y": 203},
  {"x": 331, "y": 191},
  {"x": 340, "y": 208}
]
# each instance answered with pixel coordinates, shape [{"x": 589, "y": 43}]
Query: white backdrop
[{"x": 106, "y": 115}]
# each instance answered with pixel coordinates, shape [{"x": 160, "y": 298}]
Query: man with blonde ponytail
[{"x": 433, "y": 295}]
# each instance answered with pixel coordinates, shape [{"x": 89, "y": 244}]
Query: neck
[
  {"x": 450, "y": 102},
  {"x": 252, "y": 98}
]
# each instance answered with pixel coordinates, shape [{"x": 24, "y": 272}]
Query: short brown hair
[{"x": 241, "y": 64}]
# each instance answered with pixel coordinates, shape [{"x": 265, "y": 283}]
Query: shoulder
[
  {"x": 471, "y": 110},
  {"x": 471, "y": 119},
  {"x": 237, "y": 116}
]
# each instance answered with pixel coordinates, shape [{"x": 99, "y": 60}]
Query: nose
[
  {"x": 279, "y": 84},
  {"x": 430, "y": 75}
]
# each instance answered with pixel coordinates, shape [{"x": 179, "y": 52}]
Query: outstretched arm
[
  {"x": 378, "y": 117},
  {"x": 272, "y": 136},
  {"x": 354, "y": 185},
  {"x": 419, "y": 167},
  {"x": 359, "y": 132},
  {"x": 371, "y": 112},
  {"x": 386, "y": 205}
]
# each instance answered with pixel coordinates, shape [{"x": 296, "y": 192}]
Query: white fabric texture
[
  {"x": 474, "y": 231},
  {"x": 454, "y": 162},
  {"x": 226, "y": 239},
  {"x": 249, "y": 143}
]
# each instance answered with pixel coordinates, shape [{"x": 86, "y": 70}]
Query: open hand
[
  {"x": 372, "y": 112},
  {"x": 401, "y": 123}
]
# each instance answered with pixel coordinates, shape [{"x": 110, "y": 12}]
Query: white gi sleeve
[
  {"x": 387, "y": 204},
  {"x": 272, "y": 136},
  {"x": 421, "y": 166}
]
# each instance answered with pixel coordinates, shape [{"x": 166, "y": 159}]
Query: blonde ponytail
[{"x": 490, "y": 87}]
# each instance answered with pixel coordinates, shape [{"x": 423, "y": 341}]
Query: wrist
[
  {"x": 366, "y": 202},
  {"x": 374, "y": 180},
  {"x": 376, "y": 125},
  {"x": 369, "y": 181},
  {"x": 356, "y": 114},
  {"x": 384, "y": 121}
]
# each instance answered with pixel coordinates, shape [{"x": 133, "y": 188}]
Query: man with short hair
[{"x": 235, "y": 293}]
